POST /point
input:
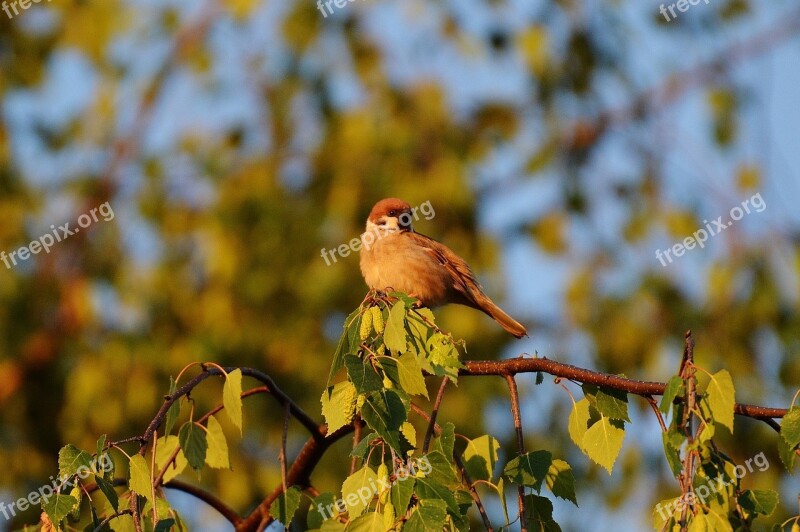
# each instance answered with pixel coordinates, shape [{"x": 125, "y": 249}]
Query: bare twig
[
  {"x": 434, "y": 413},
  {"x": 463, "y": 470},
  {"x": 688, "y": 375},
  {"x": 282, "y": 457},
  {"x": 356, "y": 440},
  {"x": 515, "y": 411},
  {"x": 654, "y": 405}
]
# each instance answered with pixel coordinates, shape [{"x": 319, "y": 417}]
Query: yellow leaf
[
  {"x": 749, "y": 177},
  {"x": 241, "y": 9},
  {"x": 534, "y": 46},
  {"x": 549, "y": 232},
  {"x": 680, "y": 224}
]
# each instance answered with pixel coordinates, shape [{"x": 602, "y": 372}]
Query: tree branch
[
  {"x": 515, "y": 366},
  {"x": 207, "y": 498}
]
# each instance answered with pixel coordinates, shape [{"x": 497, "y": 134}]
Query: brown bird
[{"x": 394, "y": 256}]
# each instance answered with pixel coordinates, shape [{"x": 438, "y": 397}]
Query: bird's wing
[{"x": 460, "y": 272}]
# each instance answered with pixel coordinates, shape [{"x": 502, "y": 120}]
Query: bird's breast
[{"x": 396, "y": 261}]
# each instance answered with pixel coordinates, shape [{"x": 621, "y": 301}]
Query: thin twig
[
  {"x": 356, "y": 440},
  {"x": 171, "y": 460},
  {"x": 434, "y": 413},
  {"x": 463, "y": 470},
  {"x": 688, "y": 375},
  {"x": 654, "y": 405},
  {"x": 282, "y": 457},
  {"x": 108, "y": 519},
  {"x": 515, "y": 411}
]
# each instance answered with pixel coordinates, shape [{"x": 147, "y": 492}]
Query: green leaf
[
  {"x": 500, "y": 488},
  {"x": 76, "y": 494},
  {"x": 354, "y": 331},
  {"x": 579, "y": 422},
  {"x": 759, "y": 501},
  {"x": 194, "y": 444},
  {"x": 139, "y": 479},
  {"x": 707, "y": 430},
  {"x": 429, "y": 515},
  {"x": 699, "y": 522},
  {"x": 721, "y": 398},
  {"x": 673, "y": 389},
  {"x": 603, "y": 441},
  {"x": 358, "y": 490},
  {"x": 362, "y": 449},
  {"x": 394, "y": 336},
  {"x": 232, "y": 399},
  {"x": 70, "y": 458},
  {"x": 107, "y": 466},
  {"x": 441, "y": 468},
  {"x": 480, "y": 457},
  {"x": 343, "y": 348},
  {"x": 165, "y": 525},
  {"x": 323, "y": 507},
  {"x": 285, "y": 506},
  {"x": 663, "y": 511},
  {"x": 786, "y": 453},
  {"x": 101, "y": 443},
  {"x": 384, "y": 413},
  {"x": 539, "y": 514},
  {"x": 612, "y": 404},
  {"x": 339, "y": 405},
  {"x": 406, "y": 299},
  {"x": 174, "y": 409},
  {"x": 162, "y": 508},
  {"x": 108, "y": 490},
  {"x": 217, "y": 455},
  {"x": 529, "y": 469},
  {"x": 443, "y": 356},
  {"x": 371, "y": 522},
  {"x": 672, "y": 451},
  {"x": 122, "y": 523},
  {"x": 406, "y": 372},
  {"x": 445, "y": 441},
  {"x": 362, "y": 374},
  {"x": 58, "y": 506},
  {"x": 166, "y": 446},
  {"x": 561, "y": 481},
  {"x": 400, "y": 493},
  {"x": 429, "y": 489},
  {"x": 409, "y": 433},
  {"x": 790, "y": 427},
  {"x": 418, "y": 322}
]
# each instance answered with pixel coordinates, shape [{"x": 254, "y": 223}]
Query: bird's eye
[{"x": 393, "y": 213}]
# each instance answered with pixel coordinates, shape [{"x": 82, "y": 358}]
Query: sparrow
[{"x": 394, "y": 256}]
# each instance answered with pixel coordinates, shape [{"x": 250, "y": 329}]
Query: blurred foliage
[{"x": 221, "y": 214}]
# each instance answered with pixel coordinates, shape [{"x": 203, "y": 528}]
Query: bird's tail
[{"x": 496, "y": 313}]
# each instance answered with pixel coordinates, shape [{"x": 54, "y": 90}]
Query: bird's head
[{"x": 391, "y": 214}]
